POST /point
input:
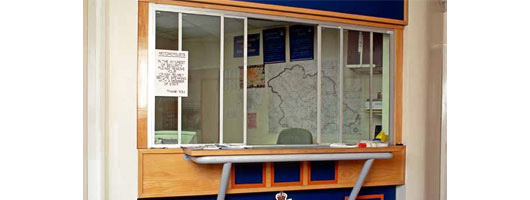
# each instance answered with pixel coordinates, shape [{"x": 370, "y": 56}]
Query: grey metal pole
[
  {"x": 360, "y": 179},
  {"x": 223, "y": 185}
]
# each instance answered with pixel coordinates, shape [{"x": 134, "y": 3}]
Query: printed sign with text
[{"x": 171, "y": 73}]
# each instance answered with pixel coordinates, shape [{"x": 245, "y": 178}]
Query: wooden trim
[
  {"x": 274, "y": 184},
  {"x": 310, "y": 182},
  {"x": 284, "y": 12},
  {"x": 243, "y": 4},
  {"x": 142, "y": 96},
  {"x": 398, "y": 86},
  {"x": 371, "y": 196},
  {"x": 406, "y": 12},
  {"x": 247, "y": 185},
  {"x": 140, "y": 173},
  {"x": 290, "y": 151}
]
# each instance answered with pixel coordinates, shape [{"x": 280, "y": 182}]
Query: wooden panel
[
  {"x": 383, "y": 172},
  {"x": 290, "y": 151},
  {"x": 229, "y": 6},
  {"x": 398, "y": 86},
  {"x": 168, "y": 174},
  {"x": 165, "y": 173},
  {"x": 143, "y": 22}
]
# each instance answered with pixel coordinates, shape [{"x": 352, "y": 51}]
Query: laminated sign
[{"x": 171, "y": 73}]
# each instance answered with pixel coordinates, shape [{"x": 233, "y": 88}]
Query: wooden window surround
[{"x": 228, "y": 5}]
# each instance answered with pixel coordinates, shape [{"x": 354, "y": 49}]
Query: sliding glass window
[{"x": 267, "y": 81}]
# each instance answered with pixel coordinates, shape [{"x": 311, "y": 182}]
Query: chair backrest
[{"x": 295, "y": 136}]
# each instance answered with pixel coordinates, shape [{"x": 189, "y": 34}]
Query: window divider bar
[
  {"x": 245, "y": 33},
  {"x": 179, "y": 119},
  {"x": 370, "y": 86},
  {"x": 221, "y": 79},
  {"x": 319, "y": 82},
  {"x": 341, "y": 86}
]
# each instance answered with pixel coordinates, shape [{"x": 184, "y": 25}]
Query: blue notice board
[
  {"x": 301, "y": 40},
  {"x": 274, "y": 45},
  {"x": 252, "y": 45}
]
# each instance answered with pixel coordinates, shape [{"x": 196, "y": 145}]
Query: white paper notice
[{"x": 171, "y": 73}]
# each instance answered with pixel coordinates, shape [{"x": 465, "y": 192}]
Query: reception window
[{"x": 265, "y": 80}]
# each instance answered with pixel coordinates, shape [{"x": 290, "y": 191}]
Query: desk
[{"x": 227, "y": 157}]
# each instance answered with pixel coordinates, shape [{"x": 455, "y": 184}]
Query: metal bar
[
  {"x": 288, "y": 158},
  {"x": 370, "y": 87},
  {"x": 319, "y": 82},
  {"x": 179, "y": 119},
  {"x": 341, "y": 86},
  {"x": 221, "y": 79},
  {"x": 391, "y": 88},
  {"x": 224, "y": 181},
  {"x": 360, "y": 180},
  {"x": 245, "y": 38}
]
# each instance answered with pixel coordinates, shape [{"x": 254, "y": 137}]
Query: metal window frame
[{"x": 241, "y": 15}]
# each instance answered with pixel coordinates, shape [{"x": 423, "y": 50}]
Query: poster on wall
[
  {"x": 252, "y": 45},
  {"x": 274, "y": 45},
  {"x": 252, "y": 121},
  {"x": 255, "y": 76},
  {"x": 171, "y": 73},
  {"x": 301, "y": 41}
]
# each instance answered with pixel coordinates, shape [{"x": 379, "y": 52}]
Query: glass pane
[
  {"x": 166, "y": 114},
  {"x": 200, "y": 110},
  {"x": 166, "y": 30},
  {"x": 356, "y": 124},
  {"x": 233, "y": 93},
  {"x": 330, "y": 118},
  {"x": 282, "y": 83},
  {"x": 381, "y": 106}
]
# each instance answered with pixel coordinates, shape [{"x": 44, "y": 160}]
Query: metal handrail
[{"x": 228, "y": 160}]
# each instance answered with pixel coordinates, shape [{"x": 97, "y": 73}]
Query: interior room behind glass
[{"x": 282, "y": 90}]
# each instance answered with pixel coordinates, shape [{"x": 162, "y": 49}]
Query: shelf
[{"x": 365, "y": 68}]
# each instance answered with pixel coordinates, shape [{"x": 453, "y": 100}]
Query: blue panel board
[
  {"x": 301, "y": 42},
  {"x": 389, "y": 193},
  {"x": 274, "y": 45},
  {"x": 322, "y": 170},
  {"x": 393, "y": 9},
  {"x": 248, "y": 173},
  {"x": 252, "y": 45},
  {"x": 286, "y": 172}
]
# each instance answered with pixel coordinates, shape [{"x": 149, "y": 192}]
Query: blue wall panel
[
  {"x": 248, "y": 173},
  {"x": 393, "y": 9},
  {"x": 389, "y": 193},
  {"x": 322, "y": 170},
  {"x": 287, "y": 172}
]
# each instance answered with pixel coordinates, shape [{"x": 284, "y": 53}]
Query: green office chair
[{"x": 295, "y": 136}]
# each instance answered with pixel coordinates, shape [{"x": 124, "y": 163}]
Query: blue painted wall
[
  {"x": 393, "y": 9},
  {"x": 389, "y": 193}
]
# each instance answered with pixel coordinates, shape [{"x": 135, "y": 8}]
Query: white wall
[
  {"x": 122, "y": 158},
  {"x": 422, "y": 98}
]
